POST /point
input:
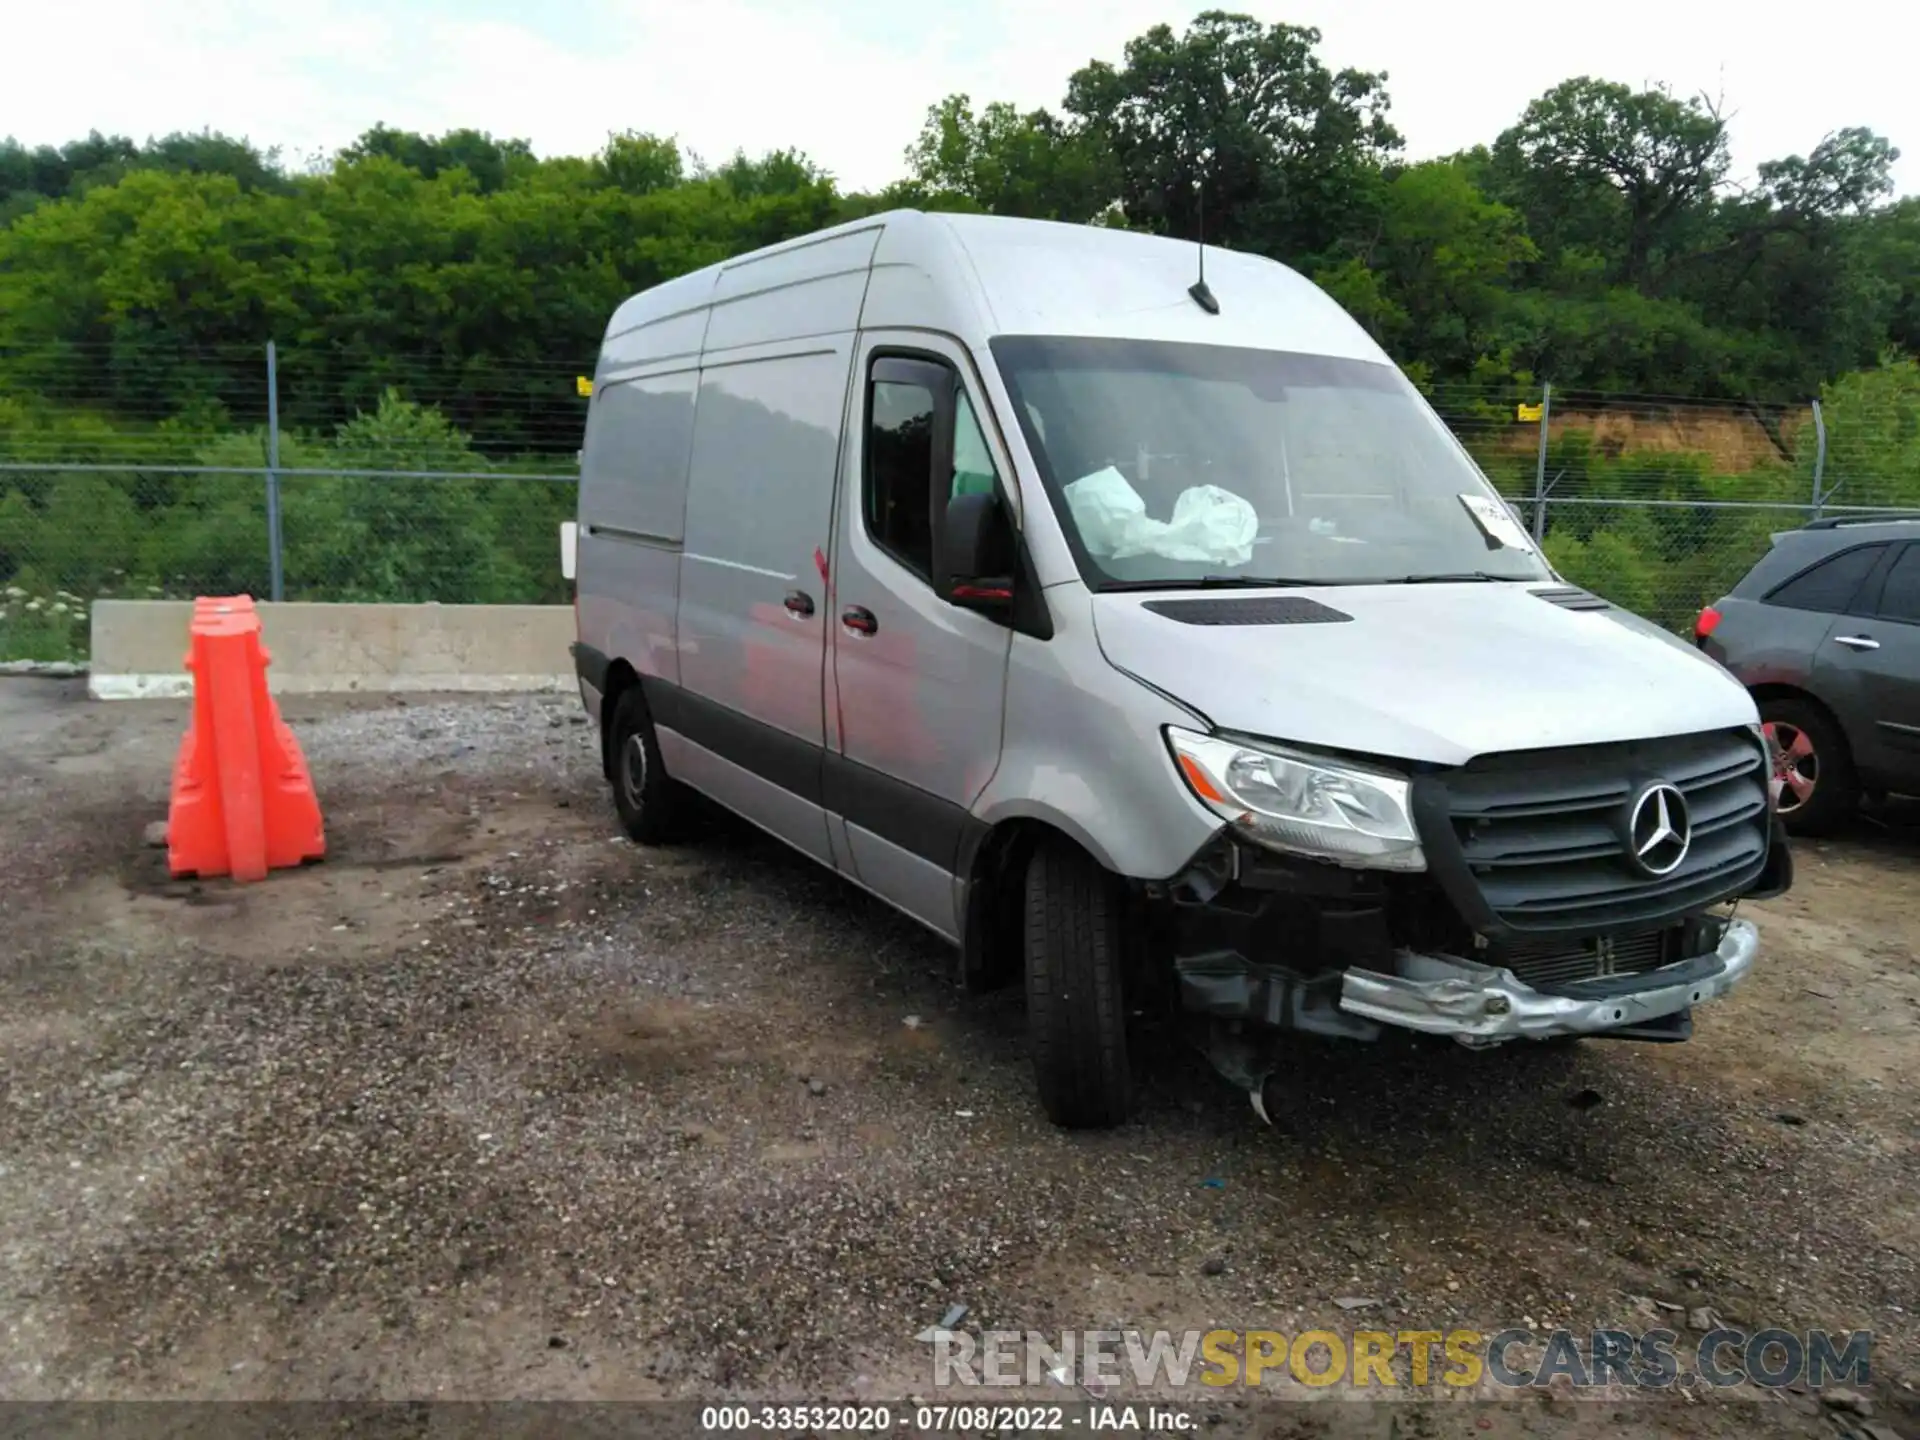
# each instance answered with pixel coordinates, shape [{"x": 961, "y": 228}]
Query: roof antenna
[{"x": 1202, "y": 296}]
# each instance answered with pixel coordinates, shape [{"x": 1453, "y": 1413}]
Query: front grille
[
  {"x": 1543, "y": 835},
  {"x": 1539, "y": 963}
]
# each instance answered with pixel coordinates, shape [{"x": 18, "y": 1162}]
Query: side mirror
[{"x": 976, "y": 554}]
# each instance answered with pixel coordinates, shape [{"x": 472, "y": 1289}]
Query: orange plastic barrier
[{"x": 243, "y": 802}]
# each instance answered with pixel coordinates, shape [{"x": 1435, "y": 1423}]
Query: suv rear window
[
  {"x": 1830, "y": 586},
  {"x": 1900, "y": 600}
]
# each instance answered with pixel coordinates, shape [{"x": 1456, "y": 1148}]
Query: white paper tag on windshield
[{"x": 1497, "y": 522}]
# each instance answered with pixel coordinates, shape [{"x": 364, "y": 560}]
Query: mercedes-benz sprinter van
[{"x": 1149, "y": 638}]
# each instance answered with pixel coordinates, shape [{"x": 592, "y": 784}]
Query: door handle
[
  {"x": 799, "y": 604},
  {"x": 1857, "y": 642},
  {"x": 859, "y": 619}
]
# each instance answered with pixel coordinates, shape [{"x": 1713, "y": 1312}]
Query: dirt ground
[{"x": 493, "y": 1104}]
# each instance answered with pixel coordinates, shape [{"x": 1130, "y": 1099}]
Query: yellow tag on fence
[
  {"x": 1527, "y": 414},
  {"x": 582, "y": 385}
]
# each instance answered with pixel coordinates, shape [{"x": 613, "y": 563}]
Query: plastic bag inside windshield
[{"x": 1209, "y": 524}]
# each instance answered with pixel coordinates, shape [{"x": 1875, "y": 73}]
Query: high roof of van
[{"x": 978, "y": 276}]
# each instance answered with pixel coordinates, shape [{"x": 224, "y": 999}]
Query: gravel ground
[{"x": 494, "y": 1104}]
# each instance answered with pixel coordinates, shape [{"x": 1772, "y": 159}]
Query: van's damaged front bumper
[
  {"x": 1263, "y": 943},
  {"x": 1481, "y": 1004}
]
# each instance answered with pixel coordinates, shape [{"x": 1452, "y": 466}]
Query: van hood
[{"x": 1434, "y": 673}]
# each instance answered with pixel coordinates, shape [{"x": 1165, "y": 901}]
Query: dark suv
[{"x": 1825, "y": 631}]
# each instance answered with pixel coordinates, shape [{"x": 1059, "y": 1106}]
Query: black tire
[
  {"x": 1827, "y": 791},
  {"x": 1076, "y": 1011},
  {"x": 652, "y": 805}
]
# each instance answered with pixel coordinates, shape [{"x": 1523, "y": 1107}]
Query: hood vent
[
  {"x": 1568, "y": 597},
  {"x": 1253, "y": 610}
]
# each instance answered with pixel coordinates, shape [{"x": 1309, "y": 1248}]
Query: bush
[
  {"x": 34, "y": 625},
  {"x": 366, "y": 537},
  {"x": 1611, "y": 566}
]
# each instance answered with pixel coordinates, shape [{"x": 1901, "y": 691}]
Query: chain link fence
[
  {"x": 1661, "y": 503},
  {"x": 146, "y": 471},
  {"x": 309, "y": 473}
]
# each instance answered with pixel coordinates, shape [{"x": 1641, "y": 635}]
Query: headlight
[
  {"x": 1328, "y": 810},
  {"x": 1775, "y": 761}
]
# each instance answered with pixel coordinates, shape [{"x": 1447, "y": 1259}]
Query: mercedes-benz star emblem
[{"x": 1659, "y": 830}]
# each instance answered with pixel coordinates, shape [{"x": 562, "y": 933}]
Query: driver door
[{"x": 916, "y": 685}]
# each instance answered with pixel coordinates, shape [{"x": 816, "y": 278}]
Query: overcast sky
[{"x": 848, "y": 81}]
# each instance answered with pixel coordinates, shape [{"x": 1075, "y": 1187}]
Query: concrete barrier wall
[{"x": 140, "y": 646}]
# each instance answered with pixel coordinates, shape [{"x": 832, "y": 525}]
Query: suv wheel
[
  {"x": 1818, "y": 790},
  {"x": 651, "y": 803},
  {"x": 1076, "y": 1013}
]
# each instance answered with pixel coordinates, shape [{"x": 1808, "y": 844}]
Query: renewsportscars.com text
[{"x": 1394, "y": 1359}]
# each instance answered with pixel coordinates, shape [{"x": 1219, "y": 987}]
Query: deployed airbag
[{"x": 1209, "y": 524}]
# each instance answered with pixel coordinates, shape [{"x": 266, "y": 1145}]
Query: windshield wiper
[
  {"x": 1294, "y": 582},
  {"x": 1219, "y": 582},
  {"x": 1457, "y": 577}
]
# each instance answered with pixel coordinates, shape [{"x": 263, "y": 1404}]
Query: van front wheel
[
  {"x": 650, "y": 803},
  {"x": 1076, "y": 1014}
]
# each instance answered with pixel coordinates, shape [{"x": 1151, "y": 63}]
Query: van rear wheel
[
  {"x": 1076, "y": 1013},
  {"x": 651, "y": 804}
]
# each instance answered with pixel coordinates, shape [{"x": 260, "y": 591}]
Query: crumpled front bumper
[{"x": 1484, "y": 1005}]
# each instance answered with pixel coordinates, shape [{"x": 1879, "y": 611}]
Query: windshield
[{"x": 1183, "y": 465}]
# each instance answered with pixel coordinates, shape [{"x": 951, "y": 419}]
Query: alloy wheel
[{"x": 1796, "y": 765}]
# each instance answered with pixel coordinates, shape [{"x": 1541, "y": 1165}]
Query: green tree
[
  {"x": 1887, "y": 245},
  {"x": 1434, "y": 282},
  {"x": 1244, "y": 124},
  {"x": 1798, "y": 267},
  {"x": 28, "y": 177},
  {"x": 1598, "y": 167},
  {"x": 490, "y": 162},
  {"x": 641, "y": 164},
  {"x": 1007, "y": 162}
]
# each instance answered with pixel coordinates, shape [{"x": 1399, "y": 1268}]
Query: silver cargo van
[{"x": 1143, "y": 633}]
